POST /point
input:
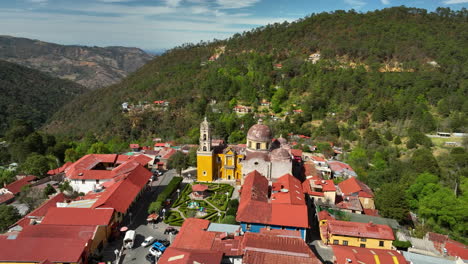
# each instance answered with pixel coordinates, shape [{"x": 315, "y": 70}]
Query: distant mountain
[
  {"x": 92, "y": 67},
  {"x": 31, "y": 95}
]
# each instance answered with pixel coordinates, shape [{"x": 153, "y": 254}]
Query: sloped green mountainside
[
  {"x": 31, "y": 95},
  {"x": 397, "y": 64}
]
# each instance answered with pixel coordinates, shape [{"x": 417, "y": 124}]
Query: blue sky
[{"x": 162, "y": 24}]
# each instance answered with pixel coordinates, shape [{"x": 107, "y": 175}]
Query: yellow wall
[
  {"x": 205, "y": 168},
  {"x": 367, "y": 203},
  {"x": 356, "y": 242},
  {"x": 229, "y": 165}
]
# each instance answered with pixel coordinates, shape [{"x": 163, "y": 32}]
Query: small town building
[
  {"x": 356, "y": 188},
  {"x": 349, "y": 255},
  {"x": 320, "y": 190},
  {"x": 364, "y": 235},
  {"x": 282, "y": 208},
  {"x": 341, "y": 169}
]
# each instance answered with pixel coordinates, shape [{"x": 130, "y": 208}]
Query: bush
[
  {"x": 234, "y": 203},
  {"x": 231, "y": 211},
  {"x": 401, "y": 244},
  {"x": 168, "y": 191},
  {"x": 229, "y": 219}
]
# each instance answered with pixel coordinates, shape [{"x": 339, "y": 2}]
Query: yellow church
[{"x": 217, "y": 162}]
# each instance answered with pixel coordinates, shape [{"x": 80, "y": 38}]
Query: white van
[{"x": 129, "y": 239}]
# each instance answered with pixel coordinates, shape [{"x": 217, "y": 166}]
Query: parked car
[
  {"x": 155, "y": 252},
  {"x": 157, "y": 249},
  {"x": 151, "y": 258},
  {"x": 165, "y": 242},
  {"x": 147, "y": 241},
  {"x": 171, "y": 230}
]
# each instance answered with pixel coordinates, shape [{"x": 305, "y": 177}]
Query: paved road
[{"x": 137, "y": 222}]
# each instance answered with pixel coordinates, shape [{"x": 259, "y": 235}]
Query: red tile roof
[
  {"x": 267, "y": 247},
  {"x": 321, "y": 186},
  {"x": 83, "y": 168},
  {"x": 15, "y": 187},
  {"x": 354, "y": 186},
  {"x": 296, "y": 152},
  {"x": 134, "y": 146},
  {"x": 372, "y": 212},
  {"x": 193, "y": 236},
  {"x": 310, "y": 170},
  {"x": 80, "y": 232},
  {"x": 324, "y": 215},
  {"x": 350, "y": 203},
  {"x": 77, "y": 216},
  {"x": 160, "y": 144},
  {"x": 6, "y": 197},
  {"x": 166, "y": 153},
  {"x": 339, "y": 166},
  {"x": 285, "y": 208},
  {"x": 41, "y": 210},
  {"x": 59, "y": 170},
  {"x": 456, "y": 249},
  {"x": 190, "y": 256},
  {"x": 121, "y": 194},
  {"x": 365, "y": 230},
  {"x": 34, "y": 249},
  {"x": 318, "y": 159},
  {"x": 367, "y": 255}
]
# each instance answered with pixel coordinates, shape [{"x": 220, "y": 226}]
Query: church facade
[{"x": 271, "y": 158}]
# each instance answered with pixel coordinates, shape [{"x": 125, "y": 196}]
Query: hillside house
[
  {"x": 364, "y": 235},
  {"x": 241, "y": 109},
  {"x": 320, "y": 190},
  {"x": 341, "y": 169},
  {"x": 354, "y": 187},
  {"x": 344, "y": 255}
]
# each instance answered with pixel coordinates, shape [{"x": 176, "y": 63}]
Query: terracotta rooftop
[
  {"x": 59, "y": 170},
  {"x": 42, "y": 210},
  {"x": 285, "y": 208},
  {"x": 367, "y": 255},
  {"x": 6, "y": 197},
  {"x": 315, "y": 187},
  {"x": 350, "y": 203},
  {"x": 199, "y": 187},
  {"x": 84, "y": 168},
  {"x": 34, "y": 249},
  {"x": 353, "y": 186},
  {"x": 77, "y": 216},
  {"x": 15, "y": 187},
  {"x": 274, "y": 247},
  {"x": 364, "y": 230},
  {"x": 190, "y": 256},
  {"x": 122, "y": 193}
]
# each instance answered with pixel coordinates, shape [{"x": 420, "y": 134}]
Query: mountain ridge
[{"x": 93, "y": 67}]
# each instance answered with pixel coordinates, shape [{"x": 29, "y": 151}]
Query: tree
[
  {"x": 48, "y": 190},
  {"x": 38, "y": 165},
  {"x": 229, "y": 219},
  {"x": 65, "y": 186},
  {"x": 32, "y": 197},
  {"x": 98, "y": 148},
  {"x": 8, "y": 216},
  {"x": 422, "y": 160},
  {"x": 391, "y": 201},
  {"x": 192, "y": 157},
  {"x": 397, "y": 140},
  {"x": 177, "y": 161}
]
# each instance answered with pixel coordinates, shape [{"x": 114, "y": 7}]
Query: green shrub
[
  {"x": 401, "y": 244},
  {"x": 229, "y": 219}
]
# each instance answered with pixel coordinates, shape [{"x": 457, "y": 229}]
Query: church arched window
[
  {"x": 258, "y": 146},
  {"x": 204, "y": 136},
  {"x": 204, "y": 148}
]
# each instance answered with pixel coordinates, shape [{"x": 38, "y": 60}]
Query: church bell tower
[{"x": 205, "y": 154}]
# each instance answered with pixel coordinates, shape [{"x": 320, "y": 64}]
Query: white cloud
[
  {"x": 448, "y": 2},
  {"x": 172, "y": 3},
  {"x": 115, "y": 1},
  {"x": 385, "y": 2},
  {"x": 356, "y": 4},
  {"x": 38, "y": 1},
  {"x": 233, "y": 4}
]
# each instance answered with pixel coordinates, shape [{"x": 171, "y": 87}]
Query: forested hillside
[
  {"x": 31, "y": 95},
  {"x": 403, "y": 65}
]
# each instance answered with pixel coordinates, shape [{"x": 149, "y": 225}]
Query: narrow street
[{"x": 136, "y": 220}]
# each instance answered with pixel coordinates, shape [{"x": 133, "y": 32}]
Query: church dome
[
  {"x": 259, "y": 132},
  {"x": 280, "y": 154}
]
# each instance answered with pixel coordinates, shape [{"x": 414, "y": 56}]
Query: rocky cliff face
[{"x": 92, "y": 67}]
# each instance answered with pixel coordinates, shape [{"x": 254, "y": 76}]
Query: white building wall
[
  {"x": 280, "y": 168},
  {"x": 260, "y": 165},
  {"x": 85, "y": 186}
]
